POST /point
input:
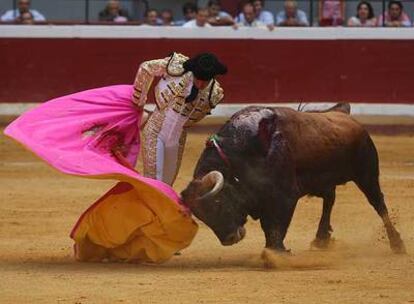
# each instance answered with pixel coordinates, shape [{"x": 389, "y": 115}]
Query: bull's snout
[{"x": 234, "y": 237}]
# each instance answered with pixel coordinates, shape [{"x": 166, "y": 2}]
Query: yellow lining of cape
[{"x": 162, "y": 226}]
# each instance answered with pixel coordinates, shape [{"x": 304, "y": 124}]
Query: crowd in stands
[{"x": 252, "y": 14}]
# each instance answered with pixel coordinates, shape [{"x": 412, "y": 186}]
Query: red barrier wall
[{"x": 37, "y": 69}]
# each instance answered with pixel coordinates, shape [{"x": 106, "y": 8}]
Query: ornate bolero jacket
[{"x": 174, "y": 86}]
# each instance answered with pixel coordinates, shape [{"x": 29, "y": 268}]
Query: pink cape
[{"x": 76, "y": 134}]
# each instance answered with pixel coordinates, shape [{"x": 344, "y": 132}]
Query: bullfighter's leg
[
  {"x": 162, "y": 153},
  {"x": 276, "y": 223},
  {"x": 150, "y": 144},
  {"x": 367, "y": 179},
  {"x": 323, "y": 235}
]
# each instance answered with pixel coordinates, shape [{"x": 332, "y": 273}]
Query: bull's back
[{"x": 318, "y": 139}]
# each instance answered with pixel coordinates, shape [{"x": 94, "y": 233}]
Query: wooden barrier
[{"x": 300, "y": 64}]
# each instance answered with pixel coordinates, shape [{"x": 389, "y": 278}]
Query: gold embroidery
[
  {"x": 171, "y": 96},
  {"x": 217, "y": 95},
  {"x": 149, "y": 147},
  {"x": 204, "y": 105},
  {"x": 175, "y": 65},
  {"x": 182, "y": 141},
  {"x": 173, "y": 93},
  {"x": 145, "y": 75}
]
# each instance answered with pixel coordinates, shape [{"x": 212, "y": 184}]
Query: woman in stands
[
  {"x": 395, "y": 16},
  {"x": 96, "y": 134},
  {"x": 365, "y": 16}
]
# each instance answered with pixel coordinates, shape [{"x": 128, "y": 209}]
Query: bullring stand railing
[{"x": 147, "y": 3}]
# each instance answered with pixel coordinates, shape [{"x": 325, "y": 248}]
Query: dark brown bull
[{"x": 263, "y": 160}]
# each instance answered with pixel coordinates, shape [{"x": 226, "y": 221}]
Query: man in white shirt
[
  {"x": 23, "y": 6},
  {"x": 263, "y": 16},
  {"x": 200, "y": 19},
  {"x": 291, "y": 15},
  {"x": 189, "y": 13},
  {"x": 216, "y": 15},
  {"x": 249, "y": 18}
]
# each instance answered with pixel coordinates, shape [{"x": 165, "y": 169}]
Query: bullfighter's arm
[{"x": 145, "y": 76}]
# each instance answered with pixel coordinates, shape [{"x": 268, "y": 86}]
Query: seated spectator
[
  {"x": 331, "y": 12},
  {"x": 189, "y": 12},
  {"x": 395, "y": 16},
  {"x": 25, "y": 18},
  {"x": 167, "y": 18},
  {"x": 249, "y": 18},
  {"x": 151, "y": 17},
  {"x": 217, "y": 16},
  {"x": 113, "y": 12},
  {"x": 23, "y": 6},
  {"x": 365, "y": 16},
  {"x": 261, "y": 15},
  {"x": 291, "y": 15},
  {"x": 200, "y": 21}
]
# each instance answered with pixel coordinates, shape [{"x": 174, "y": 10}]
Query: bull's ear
[{"x": 265, "y": 132}]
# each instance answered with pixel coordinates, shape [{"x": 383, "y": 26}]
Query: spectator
[
  {"x": 167, "y": 18},
  {"x": 200, "y": 21},
  {"x": 217, "y": 16},
  {"x": 291, "y": 15},
  {"x": 25, "y": 18},
  {"x": 395, "y": 17},
  {"x": 249, "y": 17},
  {"x": 151, "y": 17},
  {"x": 331, "y": 12},
  {"x": 113, "y": 12},
  {"x": 365, "y": 16},
  {"x": 263, "y": 16},
  {"x": 189, "y": 12},
  {"x": 23, "y": 6}
]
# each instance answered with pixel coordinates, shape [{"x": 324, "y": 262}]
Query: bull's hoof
[
  {"x": 322, "y": 243},
  {"x": 281, "y": 251},
  {"x": 273, "y": 258},
  {"x": 397, "y": 246}
]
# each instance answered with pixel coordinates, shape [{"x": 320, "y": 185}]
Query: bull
[{"x": 264, "y": 159}]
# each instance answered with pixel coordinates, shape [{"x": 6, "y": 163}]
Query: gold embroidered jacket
[{"x": 173, "y": 87}]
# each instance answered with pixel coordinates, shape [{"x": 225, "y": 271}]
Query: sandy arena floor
[{"x": 38, "y": 207}]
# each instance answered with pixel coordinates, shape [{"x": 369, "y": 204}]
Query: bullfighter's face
[{"x": 217, "y": 203}]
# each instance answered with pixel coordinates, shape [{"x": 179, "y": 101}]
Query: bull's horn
[{"x": 213, "y": 180}]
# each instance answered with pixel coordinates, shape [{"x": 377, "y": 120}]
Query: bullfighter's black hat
[{"x": 205, "y": 66}]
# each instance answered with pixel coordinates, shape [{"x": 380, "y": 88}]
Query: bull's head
[{"x": 218, "y": 204}]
